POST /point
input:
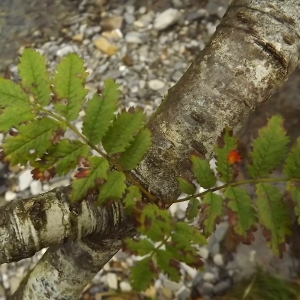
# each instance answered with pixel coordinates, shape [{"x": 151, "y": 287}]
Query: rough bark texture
[{"x": 255, "y": 49}]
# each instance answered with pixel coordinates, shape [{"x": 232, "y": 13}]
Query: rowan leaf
[
  {"x": 32, "y": 141},
  {"x": 166, "y": 263},
  {"x": 240, "y": 204},
  {"x": 193, "y": 209},
  {"x": 211, "y": 210},
  {"x": 12, "y": 94},
  {"x": 99, "y": 112},
  {"x": 133, "y": 155},
  {"x": 273, "y": 215},
  {"x": 68, "y": 86},
  {"x": 143, "y": 274},
  {"x": 186, "y": 186},
  {"x": 155, "y": 223},
  {"x": 189, "y": 233},
  {"x": 132, "y": 196},
  {"x": 34, "y": 75},
  {"x": 66, "y": 154},
  {"x": 269, "y": 148},
  {"x": 203, "y": 172},
  {"x": 120, "y": 135},
  {"x": 224, "y": 162},
  {"x": 139, "y": 247},
  {"x": 292, "y": 163},
  {"x": 295, "y": 193},
  {"x": 97, "y": 170},
  {"x": 113, "y": 188},
  {"x": 12, "y": 116}
]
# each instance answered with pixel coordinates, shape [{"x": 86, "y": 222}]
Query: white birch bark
[{"x": 253, "y": 52}]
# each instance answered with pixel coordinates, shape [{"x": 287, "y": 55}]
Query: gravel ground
[{"x": 145, "y": 46}]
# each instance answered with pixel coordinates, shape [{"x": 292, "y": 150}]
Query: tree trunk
[{"x": 252, "y": 53}]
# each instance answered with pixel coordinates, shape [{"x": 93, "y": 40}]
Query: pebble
[
  {"x": 222, "y": 286},
  {"x": 9, "y": 196},
  {"x": 36, "y": 187},
  {"x": 125, "y": 286},
  {"x": 210, "y": 277},
  {"x": 134, "y": 37},
  {"x": 112, "y": 280},
  {"x": 66, "y": 50},
  {"x": 218, "y": 260},
  {"x": 25, "y": 178},
  {"x": 156, "y": 84},
  {"x": 166, "y": 19}
]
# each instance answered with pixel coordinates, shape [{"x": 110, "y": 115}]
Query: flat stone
[
  {"x": 105, "y": 46},
  {"x": 25, "y": 178},
  {"x": 166, "y": 19},
  {"x": 111, "y": 23},
  {"x": 156, "y": 84},
  {"x": 134, "y": 37}
]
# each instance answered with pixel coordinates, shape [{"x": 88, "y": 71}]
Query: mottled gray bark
[{"x": 255, "y": 49}]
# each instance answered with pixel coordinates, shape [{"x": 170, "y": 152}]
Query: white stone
[
  {"x": 210, "y": 277},
  {"x": 35, "y": 187},
  {"x": 125, "y": 286},
  {"x": 133, "y": 37},
  {"x": 25, "y": 178},
  {"x": 189, "y": 270},
  {"x": 9, "y": 196},
  {"x": 112, "y": 281},
  {"x": 166, "y": 19},
  {"x": 66, "y": 50},
  {"x": 218, "y": 260},
  {"x": 156, "y": 84},
  {"x": 203, "y": 252}
]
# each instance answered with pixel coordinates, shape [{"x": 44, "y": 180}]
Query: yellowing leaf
[
  {"x": 124, "y": 127},
  {"x": 98, "y": 171},
  {"x": 131, "y": 157},
  {"x": 100, "y": 112},
  {"x": 268, "y": 149},
  {"x": 202, "y": 172},
  {"x": 34, "y": 75},
  {"x": 113, "y": 188},
  {"x": 273, "y": 215},
  {"x": 68, "y": 86}
]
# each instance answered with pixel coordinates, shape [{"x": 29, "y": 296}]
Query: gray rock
[
  {"x": 196, "y": 15},
  {"x": 176, "y": 76},
  {"x": 156, "y": 84},
  {"x": 222, "y": 286},
  {"x": 206, "y": 289},
  {"x": 166, "y": 19},
  {"x": 129, "y": 18},
  {"x": 134, "y": 37},
  {"x": 66, "y": 50}
]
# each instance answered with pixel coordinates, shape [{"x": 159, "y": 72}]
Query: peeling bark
[{"x": 253, "y": 52}]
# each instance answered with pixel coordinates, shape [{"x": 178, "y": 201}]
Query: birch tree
[{"x": 252, "y": 53}]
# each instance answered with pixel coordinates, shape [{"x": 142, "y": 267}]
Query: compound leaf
[
  {"x": 211, "y": 210},
  {"x": 186, "y": 186},
  {"x": 292, "y": 163},
  {"x": 295, "y": 193},
  {"x": 170, "y": 266},
  {"x": 143, "y": 274},
  {"x": 12, "y": 116},
  {"x": 12, "y": 94},
  {"x": 120, "y": 135},
  {"x": 31, "y": 142},
  {"x": 139, "y": 247},
  {"x": 202, "y": 172},
  {"x": 113, "y": 188},
  {"x": 97, "y": 171},
  {"x": 68, "y": 86},
  {"x": 131, "y": 157},
  {"x": 133, "y": 195},
  {"x": 224, "y": 163},
  {"x": 273, "y": 215},
  {"x": 34, "y": 75},
  {"x": 269, "y": 148},
  {"x": 66, "y": 154},
  {"x": 100, "y": 111},
  {"x": 240, "y": 204}
]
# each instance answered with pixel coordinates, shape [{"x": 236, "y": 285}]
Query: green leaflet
[
  {"x": 185, "y": 186},
  {"x": 168, "y": 264},
  {"x": 12, "y": 116},
  {"x": 132, "y": 196},
  {"x": 202, "y": 172},
  {"x": 240, "y": 203},
  {"x": 139, "y": 247},
  {"x": 131, "y": 157},
  {"x": 97, "y": 171},
  {"x": 32, "y": 141},
  {"x": 12, "y": 94},
  {"x": 155, "y": 223},
  {"x": 211, "y": 210},
  {"x": 68, "y": 86},
  {"x": 113, "y": 188},
  {"x": 189, "y": 233},
  {"x": 273, "y": 215},
  {"x": 193, "y": 209},
  {"x": 292, "y": 163},
  {"x": 268, "y": 149},
  {"x": 34, "y": 75},
  {"x": 142, "y": 274},
  {"x": 100, "y": 112},
  {"x": 295, "y": 192},
  {"x": 66, "y": 154},
  {"x": 224, "y": 168},
  {"x": 124, "y": 127}
]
